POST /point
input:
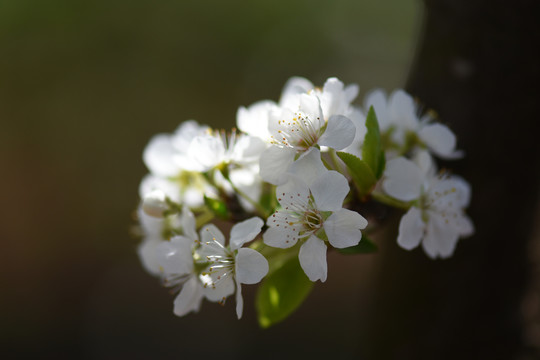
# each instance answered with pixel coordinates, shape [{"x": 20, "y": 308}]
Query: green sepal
[
  {"x": 365, "y": 246},
  {"x": 372, "y": 152},
  {"x": 281, "y": 293},
  {"x": 362, "y": 175},
  {"x": 218, "y": 207}
]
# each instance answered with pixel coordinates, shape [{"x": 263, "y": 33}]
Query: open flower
[
  {"x": 173, "y": 261},
  {"x": 401, "y": 127},
  {"x": 311, "y": 212},
  {"x": 294, "y": 133},
  {"x": 176, "y": 264},
  {"x": 172, "y": 169},
  {"x": 437, "y": 218},
  {"x": 227, "y": 267},
  {"x": 335, "y": 97}
]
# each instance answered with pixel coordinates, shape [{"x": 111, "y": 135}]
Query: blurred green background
[{"x": 83, "y": 87}]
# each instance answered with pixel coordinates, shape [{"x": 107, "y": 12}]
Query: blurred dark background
[{"x": 84, "y": 86}]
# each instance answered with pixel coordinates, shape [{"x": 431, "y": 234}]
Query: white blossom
[
  {"x": 156, "y": 231},
  {"x": 437, "y": 218},
  {"x": 172, "y": 169},
  {"x": 253, "y": 120},
  {"x": 310, "y": 206},
  {"x": 399, "y": 123},
  {"x": 232, "y": 265},
  {"x": 176, "y": 266},
  {"x": 335, "y": 98},
  {"x": 296, "y": 132}
]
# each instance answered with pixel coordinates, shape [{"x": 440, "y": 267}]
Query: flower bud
[{"x": 154, "y": 204}]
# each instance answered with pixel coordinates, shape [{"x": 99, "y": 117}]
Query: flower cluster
[{"x": 309, "y": 165}]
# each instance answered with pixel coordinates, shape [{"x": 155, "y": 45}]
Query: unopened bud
[{"x": 154, "y": 204}]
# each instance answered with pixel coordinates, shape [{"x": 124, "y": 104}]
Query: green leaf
[
  {"x": 218, "y": 207},
  {"x": 361, "y": 173},
  {"x": 365, "y": 246},
  {"x": 281, "y": 293},
  {"x": 372, "y": 152}
]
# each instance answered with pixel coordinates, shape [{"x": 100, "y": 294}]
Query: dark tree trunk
[{"x": 478, "y": 66}]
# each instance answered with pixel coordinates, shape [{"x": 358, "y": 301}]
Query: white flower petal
[
  {"x": 426, "y": 163},
  {"x": 175, "y": 256},
  {"x": 207, "y": 150},
  {"x": 403, "y": 179},
  {"x": 463, "y": 190},
  {"x": 245, "y": 231},
  {"x": 294, "y": 192},
  {"x": 465, "y": 226},
  {"x": 190, "y": 297},
  {"x": 154, "y": 204},
  {"x": 184, "y": 134},
  {"x": 280, "y": 237},
  {"x": 254, "y": 119},
  {"x": 311, "y": 106},
  {"x": 309, "y": 166},
  {"x": 359, "y": 120},
  {"x": 351, "y": 92},
  {"x": 152, "y": 227},
  {"x": 402, "y": 110},
  {"x": 188, "y": 224},
  {"x": 294, "y": 87},
  {"x": 210, "y": 232},
  {"x": 275, "y": 162},
  {"x": 247, "y": 150},
  {"x": 329, "y": 191},
  {"x": 334, "y": 99},
  {"x": 339, "y": 133},
  {"x": 148, "y": 256},
  {"x": 223, "y": 289},
  {"x": 343, "y": 228},
  {"x": 411, "y": 229},
  {"x": 158, "y": 156},
  {"x": 239, "y": 300},
  {"x": 441, "y": 238},
  {"x": 251, "y": 266},
  {"x": 377, "y": 99},
  {"x": 151, "y": 182},
  {"x": 312, "y": 258},
  {"x": 439, "y": 139}
]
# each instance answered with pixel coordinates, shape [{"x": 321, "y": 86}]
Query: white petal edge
[
  {"x": 190, "y": 297},
  {"x": 411, "y": 229},
  {"x": 339, "y": 133},
  {"x": 274, "y": 163},
  {"x": 279, "y": 237},
  {"x": 309, "y": 166},
  {"x": 312, "y": 258},
  {"x": 403, "y": 179},
  {"x": 251, "y": 266},
  {"x": 239, "y": 300},
  {"x": 211, "y": 232},
  {"x": 329, "y": 190},
  {"x": 158, "y": 156},
  {"x": 245, "y": 231},
  {"x": 439, "y": 139},
  {"x": 175, "y": 256},
  {"x": 343, "y": 228}
]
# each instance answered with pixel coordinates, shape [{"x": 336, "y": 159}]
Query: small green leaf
[
  {"x": 382, "y": 165},
  {"x": 218, "y": 207},
  {"x": 361, "y": 174},
  {"x": 281, "y": 293},
  {"x": 365, "y": 246},
  {"x": 372, "y": 152}
]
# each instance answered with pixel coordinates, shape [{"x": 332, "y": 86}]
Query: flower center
[
  {"x": 299, "y": 133},
  {"x": 220, "y": 263},
  {"x": 305, "y": 215}
]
